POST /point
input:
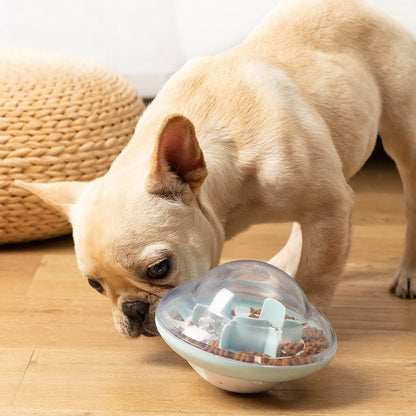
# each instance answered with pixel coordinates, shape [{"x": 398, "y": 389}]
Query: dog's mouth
[{"x": 135, "y": 327}]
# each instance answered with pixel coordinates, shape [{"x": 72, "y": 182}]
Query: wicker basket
[{"x": 61, "y": 119}]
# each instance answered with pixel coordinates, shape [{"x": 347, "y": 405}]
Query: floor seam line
[{"x": 23, "y": 376}]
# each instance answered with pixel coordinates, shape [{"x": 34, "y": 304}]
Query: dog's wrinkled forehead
[{"x": 109, "y": 226}]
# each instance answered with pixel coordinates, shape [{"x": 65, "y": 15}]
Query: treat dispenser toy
[{"x": 246, "y": 326}]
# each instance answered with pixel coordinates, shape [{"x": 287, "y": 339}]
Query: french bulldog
[{"x": 269, "y": 131}]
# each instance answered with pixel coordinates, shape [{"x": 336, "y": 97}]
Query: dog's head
[{"x": 141, "y": 229}]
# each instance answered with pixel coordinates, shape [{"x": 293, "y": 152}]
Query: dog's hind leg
[
  {"x": 400, "y": 144},
  {"x": 396, "y": 74},
  {"x": 287, "y": 259},
  {"x": 398, "y": 134}
]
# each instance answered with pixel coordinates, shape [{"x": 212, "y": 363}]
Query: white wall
[
  {"x": 137, "y": 38},
  {"x": 145, "y": 40}
]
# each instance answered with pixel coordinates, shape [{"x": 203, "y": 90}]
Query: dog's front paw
[{"x": 404, "y": 284}]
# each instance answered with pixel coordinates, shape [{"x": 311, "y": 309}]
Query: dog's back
[{"x": 353, "y": 63}]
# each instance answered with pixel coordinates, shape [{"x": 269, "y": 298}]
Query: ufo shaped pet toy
[{"x": 246, "y": 326}]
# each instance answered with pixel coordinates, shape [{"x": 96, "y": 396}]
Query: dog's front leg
[{"x": 326, "y": 241}]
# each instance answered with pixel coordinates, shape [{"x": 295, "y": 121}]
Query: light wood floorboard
[{"x": 59, "y": 353}]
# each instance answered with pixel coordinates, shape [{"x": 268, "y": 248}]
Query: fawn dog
[{"x": 269, "y": 131}]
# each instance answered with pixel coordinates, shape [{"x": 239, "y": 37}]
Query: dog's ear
[
  {"x": 62, "y": 195},
  {"x": 178, "y": 165}
]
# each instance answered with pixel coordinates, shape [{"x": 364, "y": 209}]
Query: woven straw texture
[{"x": 61, "y": 119}]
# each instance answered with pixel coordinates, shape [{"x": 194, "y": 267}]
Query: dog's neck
[
  {"x": 227, "y": 187},
  {"x": 217, "y": 244}
]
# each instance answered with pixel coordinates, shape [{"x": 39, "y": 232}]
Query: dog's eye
[
  {"x": 158, "y": 270},
  {"x": 96, "y": 285}
]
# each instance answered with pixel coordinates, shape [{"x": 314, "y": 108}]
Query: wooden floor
[{"x": 59, "y": 353}]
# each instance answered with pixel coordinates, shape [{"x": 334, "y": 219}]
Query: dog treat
[
  {"x": 288, "y": 353},
  {"x": 255, "y": 313}
]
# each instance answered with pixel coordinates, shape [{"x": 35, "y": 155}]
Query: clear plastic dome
[{"x": 245, "y": 326}]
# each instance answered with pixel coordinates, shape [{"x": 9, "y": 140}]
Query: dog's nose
[{"x": 135, "y": 309}]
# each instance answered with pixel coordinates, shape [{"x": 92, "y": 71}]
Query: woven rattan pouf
[{"x": 61, "y": 119}]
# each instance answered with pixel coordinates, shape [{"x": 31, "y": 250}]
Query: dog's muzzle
[{"x": 137, "y": 318}]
